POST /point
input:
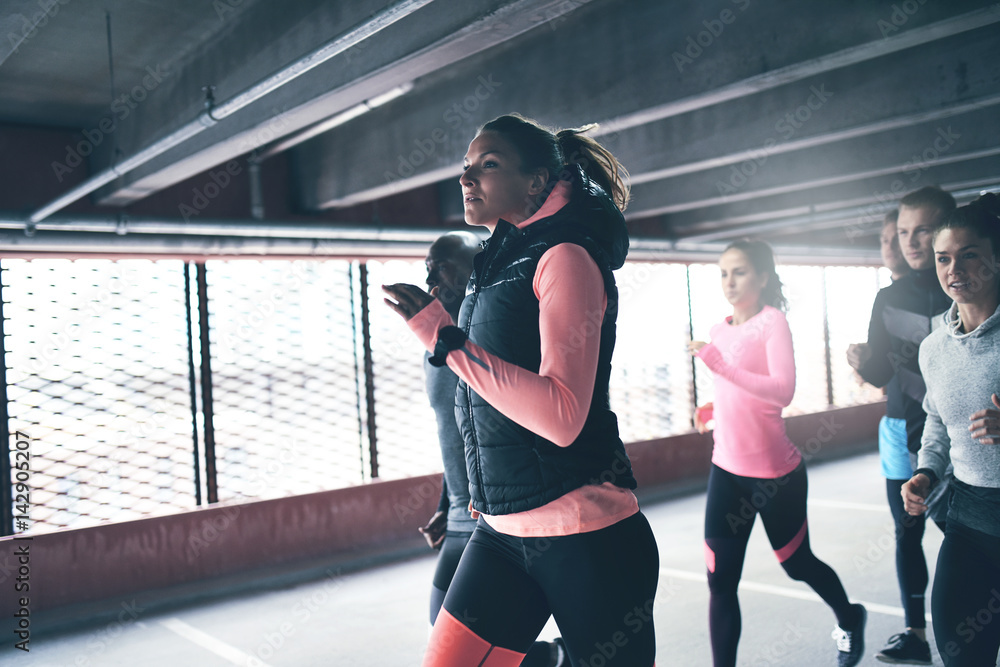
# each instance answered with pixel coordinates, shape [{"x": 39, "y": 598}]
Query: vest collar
[{"x": 556, "y": 200}]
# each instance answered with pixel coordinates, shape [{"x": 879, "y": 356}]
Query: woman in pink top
[
  {"x": 755, "y": 467},
  {"x": 560, "y": 532}
]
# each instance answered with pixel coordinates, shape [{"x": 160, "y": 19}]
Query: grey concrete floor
[{"x": 378, "y": 617}]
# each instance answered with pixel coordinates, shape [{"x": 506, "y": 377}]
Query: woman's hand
[
  {"x": 703, "y": 415},
  {"x": 985, "y": 426},
  {"x": 914, "y": 493},
  {"x": 407, "y": 300},
  {"x": 696, "y": 345}
]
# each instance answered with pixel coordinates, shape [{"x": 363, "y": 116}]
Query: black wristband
[
  {"x": 930, "y": 474},
  {"x": 449, "y": 338}
]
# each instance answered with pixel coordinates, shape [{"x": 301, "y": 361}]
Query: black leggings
[
  {"x": 966, "y": 598},
  {"x": 733, "y": 504},
  {"x": 599, "y": 586},
  {"x": 451, "y": 553},
  {"x": 911, "y": 566}
]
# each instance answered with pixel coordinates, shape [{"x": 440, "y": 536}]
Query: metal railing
[{"x": 144, "y": 387}]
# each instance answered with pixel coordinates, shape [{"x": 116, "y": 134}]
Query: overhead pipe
[
  {"x": 214, "y": 113},
  {"x": 273, "y": 229},
  {"x": 75, "y": 245}
]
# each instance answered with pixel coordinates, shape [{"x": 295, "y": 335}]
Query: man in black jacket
[{"x": 903, "y": 315}]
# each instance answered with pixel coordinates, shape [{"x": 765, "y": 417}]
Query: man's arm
[{"x": 875, "y": 367}]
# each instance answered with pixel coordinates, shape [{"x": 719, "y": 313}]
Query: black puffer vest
[{"x": 510, "y": 468}]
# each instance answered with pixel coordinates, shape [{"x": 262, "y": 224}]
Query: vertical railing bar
[
  {"x": 357, "y": 370},
  {"x": 207, "y": 409},
  {"x": 191, "y": 383},
  {"x": 826, "y": 341},
  {"x": 694, "y": 367},
  {"x": 369, "y": 369}
]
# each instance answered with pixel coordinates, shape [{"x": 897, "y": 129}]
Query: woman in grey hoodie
[{"x": 960, "y": 362}]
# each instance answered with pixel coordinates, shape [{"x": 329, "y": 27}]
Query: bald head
[{"x": 449, "y": 265}]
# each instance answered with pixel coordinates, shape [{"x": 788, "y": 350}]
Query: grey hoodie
[{"x": 962, "y": 371}]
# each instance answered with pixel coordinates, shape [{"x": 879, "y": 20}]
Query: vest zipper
[{"x": 468, "y": 390}]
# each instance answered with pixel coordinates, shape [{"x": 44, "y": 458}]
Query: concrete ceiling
[{"x": 801, "y": 122}]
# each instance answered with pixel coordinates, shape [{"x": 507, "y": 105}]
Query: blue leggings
[{"x": 733, "y": 504}]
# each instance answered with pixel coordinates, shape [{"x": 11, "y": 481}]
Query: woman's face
[
  {"x": 966, "y": 266},
  {"x": 493, "y": 185},
  {"x": 741, "y": 283}
]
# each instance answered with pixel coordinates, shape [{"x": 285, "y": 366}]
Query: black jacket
[
  {"x": 902, "y": 317},
  {"x": 510, "y": 468}
]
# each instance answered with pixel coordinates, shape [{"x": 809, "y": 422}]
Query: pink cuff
[{"x": 428, "y": 321}]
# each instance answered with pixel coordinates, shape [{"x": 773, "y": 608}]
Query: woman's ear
[{"x": 538, "y": 180}]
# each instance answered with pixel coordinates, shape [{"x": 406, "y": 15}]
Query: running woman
[
  {"x": 960, "y": 362},
  {"x": 449, "y": 265},
  {"x": 560, "y": 532},
  {"x": 755, "y": 467}
]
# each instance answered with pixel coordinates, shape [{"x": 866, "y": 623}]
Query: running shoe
[
  {"x": 905, "y": 649},
  {"x": 851, "y": 641}
]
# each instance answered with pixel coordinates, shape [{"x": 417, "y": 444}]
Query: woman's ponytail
[
  {"x": 539, "y": 147},
  {"x": 597, "y": 162}
]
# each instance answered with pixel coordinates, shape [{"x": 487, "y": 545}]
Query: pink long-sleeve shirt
[
  {"x": 554, "y": 402},
  {"x": 754, "y": 369}
]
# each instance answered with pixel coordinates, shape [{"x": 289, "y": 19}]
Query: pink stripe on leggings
[{"x": 785, "y": 552}]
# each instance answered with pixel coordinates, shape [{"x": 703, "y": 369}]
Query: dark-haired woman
[
  {"x": 755, "y": 467},
  {"x": 560, "y": 532},
  {"x": 960, "y": 362}
]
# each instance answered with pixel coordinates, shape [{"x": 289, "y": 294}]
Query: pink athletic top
[
  {"x": 754, "y": 369},
  {"x": 554, "y": 402}
]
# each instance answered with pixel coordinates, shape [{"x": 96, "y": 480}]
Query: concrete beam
[
  {"x": 905, "y": 153},
  {"x": 423, "y": 137},
  {"x": 871, "y": 197},
  {"x": 270, "y": 37}
]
